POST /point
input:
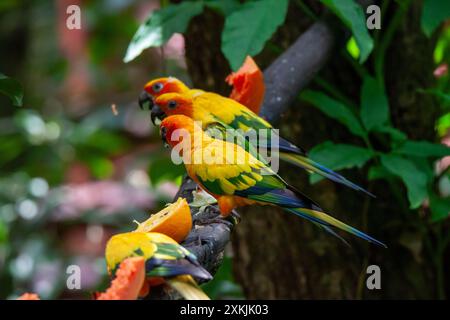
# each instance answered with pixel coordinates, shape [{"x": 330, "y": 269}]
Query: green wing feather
[{"x": 271, "y": 189}]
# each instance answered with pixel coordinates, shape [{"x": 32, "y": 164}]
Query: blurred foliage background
[
  {"x": 79, "y": 161},
  {"x": 73, "y": 172}
]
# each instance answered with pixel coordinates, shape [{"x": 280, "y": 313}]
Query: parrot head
[
  {"x": 173, "y": 123},
  {"x": 157, "y": 87},
  {"x": 171, "y": 104}
]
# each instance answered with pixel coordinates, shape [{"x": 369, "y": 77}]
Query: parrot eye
[
  {"x": 172, "y": 104},
  {"x": 157, "y": 87}
]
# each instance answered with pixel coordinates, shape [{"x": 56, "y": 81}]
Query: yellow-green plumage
[
  {"x": 164, "y": 258},
  {"x": 215, "y": 110},
  {"x": 249, "y": 182}
]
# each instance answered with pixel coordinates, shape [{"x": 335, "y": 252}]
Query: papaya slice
[
  {"x": 29, "y": 296},
  {"x": 128, "y": 282}
]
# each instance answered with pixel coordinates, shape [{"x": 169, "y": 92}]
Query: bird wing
[
  {"x": 171, "y": 260},
  {"x": 126, "y": 245}
]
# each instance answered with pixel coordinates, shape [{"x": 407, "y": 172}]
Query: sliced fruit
[
  {"x": 248, "y": 85},
  {"x": 174, "y": 221},
  {"x": 128, "y": 282},
  {"x": 29, "y": 296}
]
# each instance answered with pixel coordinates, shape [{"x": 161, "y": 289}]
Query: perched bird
[
  {"x": 169, "y": 96},
  {"x": 236, "y": 178},
  {"x": 165, "y": 261}
]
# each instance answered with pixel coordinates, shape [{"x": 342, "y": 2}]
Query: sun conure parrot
[
  {"x": 236, "y": 178},
  {"x": 166, "y": 261},
  {"x": 212, "y": 109}
]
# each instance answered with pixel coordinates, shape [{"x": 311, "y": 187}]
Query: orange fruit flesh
[
  {"x": 29, "y": 296},
  {"x": 128, "y": 282},
  {"x": 174, "y": 221}
]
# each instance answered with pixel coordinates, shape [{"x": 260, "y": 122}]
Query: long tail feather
[
  {"x": 326, "y": 220},
  {"x": 332, "y": 232},
  {"x": 187, "y": 287},
  {"x": 315, "y": 167}
]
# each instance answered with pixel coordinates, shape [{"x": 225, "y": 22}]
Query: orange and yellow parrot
[
  {"x": 169, "y": 96},
  {"x": 165, "y": 261},
  {"x": 236, "y": 178}
]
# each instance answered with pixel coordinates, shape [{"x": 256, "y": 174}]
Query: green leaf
[
  {"x": 161, "y": 25},
  {"x": 11, "y": 88},
  {"x": 395, "y": 134},
  {"x": 440, "y": 207},
  {"x": 434, "y": 12},
  {"x": 335, "y": 110},
  {"x": 201, "y": 199},
  {"x": 352, "y": 15},
  {"x": 374, "y": 104},
  {"x": 413, "y": 178},
  {"x": 378, "y": 172},
  {"x": 441, "y": 95},
  {"x": 352, "y": 48},
  {"x": 247, "y": 29},
  {"x": 443, "y": 124},
  {"x": 225, "y": 7},
  {"x": 339, "y": 156},
  {"x": 423, "y": 149},
  {"x": 3, "y": 232},
  {"x": 163, "y": 169}
]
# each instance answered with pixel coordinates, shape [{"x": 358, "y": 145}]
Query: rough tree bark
[{"x": 278, "y": 255}]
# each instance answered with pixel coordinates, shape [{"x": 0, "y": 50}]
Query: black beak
[
  {"x": 145, "y": 101},
  {"x": 163, "y": 136},
  {"x": 157, "y": 113}
]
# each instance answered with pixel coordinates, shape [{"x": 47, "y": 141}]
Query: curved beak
[
  {"x": 163, "y": 133},
  {"x": 145, "y": 101},
  {"x": 157, "y": 114}
]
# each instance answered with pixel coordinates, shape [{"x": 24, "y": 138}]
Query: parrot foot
[{"x": 230, "y": 220}]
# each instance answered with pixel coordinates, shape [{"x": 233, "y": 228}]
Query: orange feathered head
[
  {"x": 171, "y": 104},
  {"x": 160, "y": 86},
  {"x": 174, "y": 128}
]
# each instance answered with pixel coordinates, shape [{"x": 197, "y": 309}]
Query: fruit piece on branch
[
  {"x": 129, "y": 281},
  {"x": 174, "y": 221}
]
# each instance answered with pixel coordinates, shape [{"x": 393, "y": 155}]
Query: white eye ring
[{"x": 157, "y": 87}]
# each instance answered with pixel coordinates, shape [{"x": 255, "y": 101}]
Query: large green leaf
[
  {"x": 225, "y": 7},
  {"x": 161, "y": 25},
  {"x": 413, "y": 178},
  {"x": 11, "y": 88},
  {"x": 434, "y": 12},
  {"x": 335, "y": 110},
  {"x": 423, "y": 149},
  {"x": 352, "y": 15},
  {"x": 247, "y": 29},
  {"x": 374, "y": 104},
  {"x": 339, "y": 156}
]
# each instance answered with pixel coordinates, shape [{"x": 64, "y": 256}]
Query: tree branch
[{"x": 294, "y": 69}]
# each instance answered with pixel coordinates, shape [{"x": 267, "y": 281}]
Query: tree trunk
[{"x": 277, "y": 255}]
